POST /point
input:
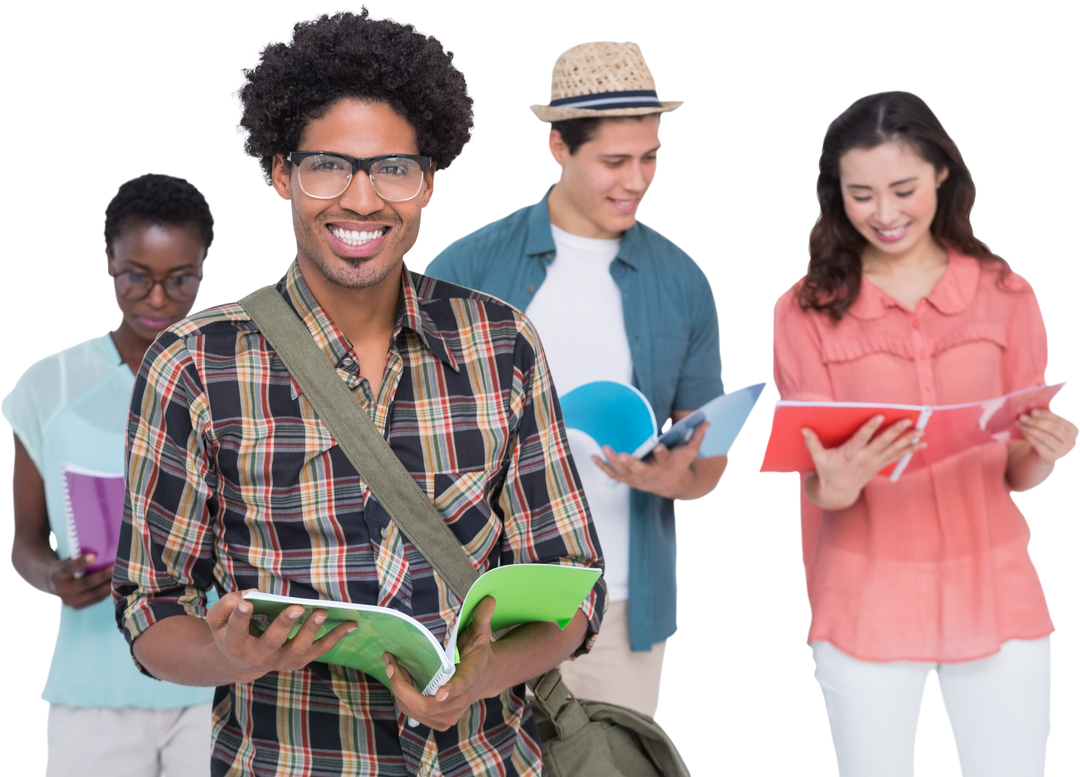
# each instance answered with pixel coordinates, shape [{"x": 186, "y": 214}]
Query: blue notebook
[{"x": 618, "y": 415}]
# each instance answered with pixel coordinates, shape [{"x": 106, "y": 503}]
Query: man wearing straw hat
[{"x": 611, "y": 300}]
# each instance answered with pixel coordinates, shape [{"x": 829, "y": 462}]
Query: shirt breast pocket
[{"x": 464, "y": 500}]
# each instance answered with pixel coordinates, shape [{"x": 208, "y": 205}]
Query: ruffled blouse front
[{"x": 935, "y": 566}]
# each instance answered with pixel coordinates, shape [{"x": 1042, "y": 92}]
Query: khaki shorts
[{"x": 613, "y": 673}]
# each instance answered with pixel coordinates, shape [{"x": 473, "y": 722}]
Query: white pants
[
  {"x": 999, "y": 707},
  {"x": 129, "y": 742}
]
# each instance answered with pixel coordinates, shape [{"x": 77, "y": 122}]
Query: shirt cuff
[
  {"x": 136, "y": 613},
  {"x": 594, "y": 608}
]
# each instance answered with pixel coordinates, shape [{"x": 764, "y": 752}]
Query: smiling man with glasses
[{"x": 237, "y": 483}]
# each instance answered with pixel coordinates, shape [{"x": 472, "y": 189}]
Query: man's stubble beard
[{"x": 361, "y": 272}]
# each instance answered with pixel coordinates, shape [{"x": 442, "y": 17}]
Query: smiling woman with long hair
[{"x": 902, "y": 304}]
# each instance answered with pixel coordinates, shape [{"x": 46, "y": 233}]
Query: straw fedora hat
[{"x": 599, "y": 80}]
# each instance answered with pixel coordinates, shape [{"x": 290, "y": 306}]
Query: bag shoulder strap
[{"x": 359, "y": 440}]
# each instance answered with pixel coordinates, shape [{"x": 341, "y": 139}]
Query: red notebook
[
  {"x": 94, "y": 503},
  {"x": 947, "y": 429}
]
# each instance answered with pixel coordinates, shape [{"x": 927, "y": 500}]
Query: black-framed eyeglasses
[
  {"x": 325, "y": 175},
  {"x": 133, "y": 285}
]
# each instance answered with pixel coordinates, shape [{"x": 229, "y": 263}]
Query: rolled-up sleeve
[
  {"x": 700, "y": 380},
  {"x": 165, "y": 559},
  {"x": 546, "y": 515}
]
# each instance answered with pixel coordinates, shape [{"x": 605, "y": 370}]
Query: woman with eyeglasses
[
  {"x": 902, "y": 304},
  {"x": 69, "y": 414}
]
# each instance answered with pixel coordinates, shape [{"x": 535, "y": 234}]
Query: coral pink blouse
[{"x": 935, "y": 566}]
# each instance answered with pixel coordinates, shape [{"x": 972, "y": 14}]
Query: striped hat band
[{"x": 637, "y": 98}]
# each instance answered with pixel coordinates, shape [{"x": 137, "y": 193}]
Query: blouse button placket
[{"x": 921, "y": 352}]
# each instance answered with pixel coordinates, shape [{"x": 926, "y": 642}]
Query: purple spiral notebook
[{"x": 94, "y": 503}]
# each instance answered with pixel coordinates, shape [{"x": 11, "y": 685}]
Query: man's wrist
[
  {"x": 524, "y": 653},
  {"x": 703, "y": 474},
  {"x": 688, "y": 488},
  {"x": 500, "y": 673},
  {"x": 509, "y": 655}
]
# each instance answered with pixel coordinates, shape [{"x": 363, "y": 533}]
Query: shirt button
[
  {"x": 915, "y": 323},
  {"x": 529, "y": 288}
]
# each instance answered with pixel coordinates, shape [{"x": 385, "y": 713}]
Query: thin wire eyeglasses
[{"x": 325, "y": 175}]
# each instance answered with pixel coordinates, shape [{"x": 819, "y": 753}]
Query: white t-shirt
[{"x": 578, "y": 313}]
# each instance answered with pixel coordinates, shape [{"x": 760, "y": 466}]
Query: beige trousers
[
  {"x": 613, "y": 673},
  {"x": 129, "y": 742}
]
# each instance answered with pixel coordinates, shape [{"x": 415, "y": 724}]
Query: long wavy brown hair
[{"x": 834, "y": 275}]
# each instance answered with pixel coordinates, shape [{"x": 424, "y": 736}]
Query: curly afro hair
[
  {"x": 350, "y": 55},
  {"x": 161, "y": 200}
]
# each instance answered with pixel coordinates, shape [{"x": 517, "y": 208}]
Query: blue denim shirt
[{"x": 671, "y": 323}]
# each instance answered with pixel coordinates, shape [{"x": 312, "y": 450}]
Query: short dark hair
[
  {"x": 577, "y": 132},
  {"x": 834, "y": 275},
  {"x": 348, "y": 55},
  {"x": 161, "y": 200}
]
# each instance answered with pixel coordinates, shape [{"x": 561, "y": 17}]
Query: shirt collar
[
  {"x": 410, "y": 316},
  {"x": 951, "y": 295},
  {"x": 539, "y": 241}
]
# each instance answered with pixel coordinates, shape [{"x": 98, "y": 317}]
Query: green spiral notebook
[{"x": 524, "y": 593}]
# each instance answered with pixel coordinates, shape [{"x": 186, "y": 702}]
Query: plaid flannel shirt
[{"x": 235, "y": 483}]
